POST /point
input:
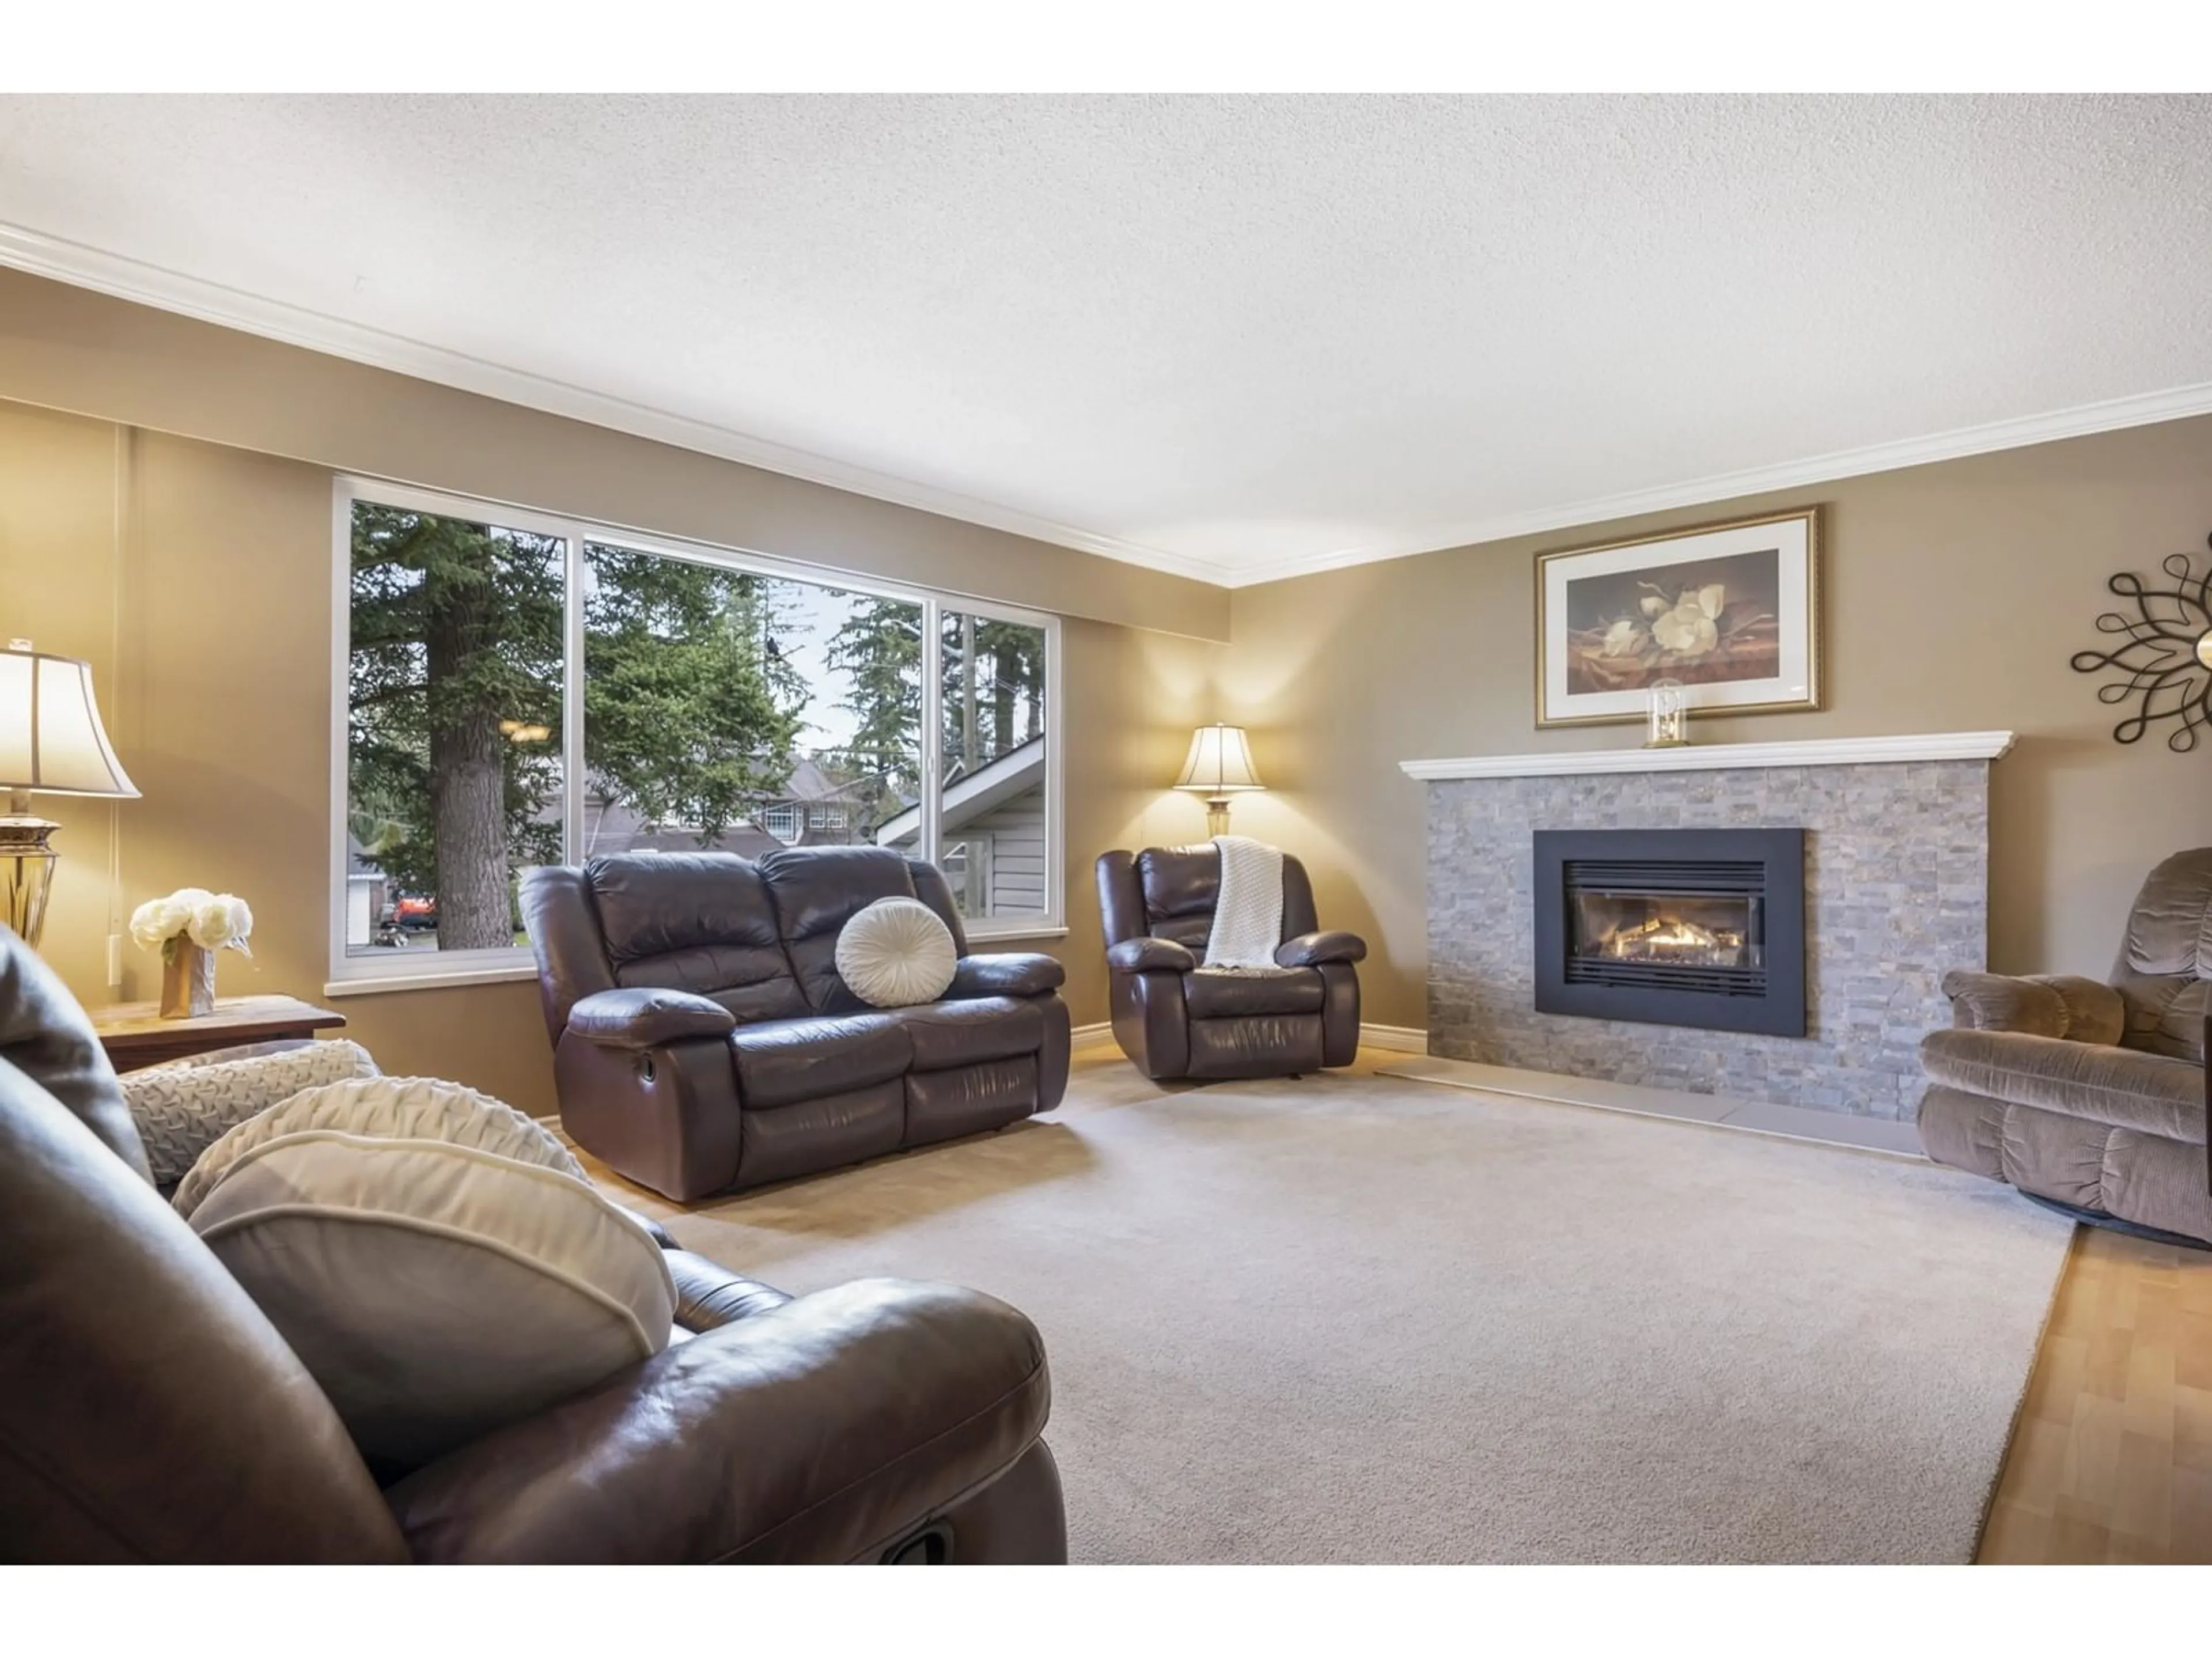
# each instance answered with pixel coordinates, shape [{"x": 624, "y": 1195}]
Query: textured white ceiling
[{"x": 1236, "y": 336}]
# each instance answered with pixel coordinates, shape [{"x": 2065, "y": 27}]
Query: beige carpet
[{"x": 1359, "y": 1319}]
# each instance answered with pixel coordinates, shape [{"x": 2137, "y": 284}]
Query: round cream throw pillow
[
  {"x": 896, "y": 952},
  {"x": 436, "y": 1260}
]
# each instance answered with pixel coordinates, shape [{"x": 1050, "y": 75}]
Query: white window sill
[
  {"x": 370, "y": 985},
  {"x": 378, "y": 984}
]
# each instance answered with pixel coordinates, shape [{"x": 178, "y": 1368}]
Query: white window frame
[{"x": 395, "y": 971}]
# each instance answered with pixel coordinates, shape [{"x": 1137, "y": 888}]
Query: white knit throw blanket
[{"x": 1248, "y": 918}]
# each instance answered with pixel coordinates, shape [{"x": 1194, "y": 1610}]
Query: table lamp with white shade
[
  {"x": 51, "y": 743},
  {"x": 1218, "y": 766}
]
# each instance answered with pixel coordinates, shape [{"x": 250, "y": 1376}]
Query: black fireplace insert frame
[{"x": 1778, "y": 1012}]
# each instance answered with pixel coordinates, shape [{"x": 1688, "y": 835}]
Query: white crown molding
[
  {"x": 2149, "y": 408},
  {"x": 212, "y": 302},
  {"x": 146, "y": 284},
  {"x": 1722, "y": 756}
]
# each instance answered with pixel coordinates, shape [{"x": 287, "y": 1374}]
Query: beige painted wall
[
  {"x": 197, "y": 578},
  {"x": 1956, "y": 595}
]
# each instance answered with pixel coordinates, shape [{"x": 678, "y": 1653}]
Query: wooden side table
[{"x": 133, "y": 1034}]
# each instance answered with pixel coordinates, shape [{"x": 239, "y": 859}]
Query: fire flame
[{"x": 1672, "y": 939}]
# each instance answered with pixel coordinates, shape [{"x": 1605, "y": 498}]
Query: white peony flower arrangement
[
  {"x": 192, "y": 916},
  {"x": 188, "y": 927}
]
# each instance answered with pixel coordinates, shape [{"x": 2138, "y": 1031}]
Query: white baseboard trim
[
  {"x": 1085, "y": 1036},
  {"x": 1399, "y": 1039}
]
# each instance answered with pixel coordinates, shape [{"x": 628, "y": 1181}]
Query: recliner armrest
[
  {"x": 1311, "y": 950},
  {"x": 1150, "y": 956},
  {"x": 709, "y": 1295},
  {"x": 1007, "y": 973},
  {"x": 825, "y": 1431},
  {"x": 645, "y": 1016},
  {"x": 2040, "y": 1004}
]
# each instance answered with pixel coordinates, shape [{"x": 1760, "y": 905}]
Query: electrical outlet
[{"x": 114, "y": 961}]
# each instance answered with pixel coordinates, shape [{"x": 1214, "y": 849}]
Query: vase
[{"x": 187, "y": 982}]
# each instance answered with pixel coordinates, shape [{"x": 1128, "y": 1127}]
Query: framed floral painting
[{"x": 1731, "y": 611}]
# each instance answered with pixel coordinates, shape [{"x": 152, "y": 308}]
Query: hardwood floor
[{"x": 2112, "y": 1458}]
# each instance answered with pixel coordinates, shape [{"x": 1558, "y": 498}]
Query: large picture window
[{"x": 518, "y": 690}]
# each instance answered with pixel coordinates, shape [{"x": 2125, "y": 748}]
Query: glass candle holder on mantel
[{"x": 1667, "y": 704}]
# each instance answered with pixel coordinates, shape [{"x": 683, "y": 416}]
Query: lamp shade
[
  {"x": 1219, "y": 763},
  {"x": 50, "y": 738}
]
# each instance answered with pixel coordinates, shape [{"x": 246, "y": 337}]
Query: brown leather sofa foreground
[
  {"x": 1174, "y": 1018},
  {"x": 2090, "y": 1096},
  {"x": 703, "y": 1039},
  {"x": 148, "y": 1412}
]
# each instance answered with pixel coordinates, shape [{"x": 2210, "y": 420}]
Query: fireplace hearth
[{"x": 1697, "y": 928}]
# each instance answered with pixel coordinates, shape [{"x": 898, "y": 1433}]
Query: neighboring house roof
[
  {"x": 618, "y": 830},
  {"x": 809, "y": 782},
  {"x": 1018, "y": 771}
]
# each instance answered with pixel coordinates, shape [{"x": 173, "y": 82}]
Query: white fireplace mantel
[{"x": 1722, "y": 756}]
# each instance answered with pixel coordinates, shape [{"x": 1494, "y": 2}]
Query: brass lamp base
[{"x": 26, "y": 873}]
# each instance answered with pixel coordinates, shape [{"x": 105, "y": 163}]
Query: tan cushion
[
  {"x": 2170, "y": 928},
  {"x": 183, "y": 1107},
  {"x": 395, "y": 1107},
  {"x": 896, "y": 953},
  {"x": 436, "y": 1288},
  {"x": 2165, "y": 1015},
  {"x": 2165, "y": 969}
]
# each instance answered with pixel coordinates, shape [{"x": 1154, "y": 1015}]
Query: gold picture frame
[{"x": 1730, "y": 609}]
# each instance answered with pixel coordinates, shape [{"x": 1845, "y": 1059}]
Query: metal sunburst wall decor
[{"x": 2166, "y": 654}]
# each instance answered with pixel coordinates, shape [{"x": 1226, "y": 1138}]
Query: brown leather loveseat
[
  {"x": 150, "y": 1411},
  {"x": 1175, "y": 1018},
  {"x": 703, "y": 1039}
]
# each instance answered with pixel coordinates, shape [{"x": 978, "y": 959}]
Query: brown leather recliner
[
  {"x": 703, "y": 1039},
  {"x": 150, "y": 1412},
  {"x": 2090, "y": 1096},
  {"x": 1175, "y": 1018}
]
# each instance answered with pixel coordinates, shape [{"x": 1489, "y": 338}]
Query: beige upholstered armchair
[{"x": 2090, "y": 1096}]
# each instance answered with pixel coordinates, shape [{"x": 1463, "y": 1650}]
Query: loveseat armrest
[
  {"x": 2038, "y": 1004},
  {"x": 823, "y": 1430},
  {"x": 1007, "y": 973},
  {"x": 1311, "y": 950},
  {"x": 646, "y": 1017},
  {"x": 1150, "y": 956}
]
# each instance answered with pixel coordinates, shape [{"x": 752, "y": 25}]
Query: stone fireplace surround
[{"x": 1897, "y": 893}]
